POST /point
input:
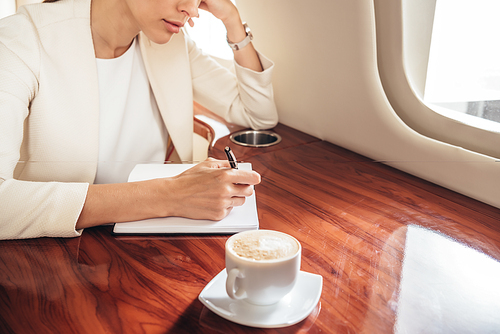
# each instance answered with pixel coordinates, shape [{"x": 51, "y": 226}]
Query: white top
[{"x": 131, "y": 129}]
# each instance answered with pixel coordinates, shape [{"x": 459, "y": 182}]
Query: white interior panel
[{"x": 327, "y": 84}]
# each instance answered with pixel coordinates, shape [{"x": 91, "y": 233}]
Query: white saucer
[{"x": 293, "y": 308}]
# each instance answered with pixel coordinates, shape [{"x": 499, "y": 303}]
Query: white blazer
[{"x": 49, "y": 110}]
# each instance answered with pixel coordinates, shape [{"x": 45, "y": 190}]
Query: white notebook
[{"x": 240, "y": 219}]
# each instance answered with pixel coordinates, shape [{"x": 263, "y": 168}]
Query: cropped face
[{"x": 159, "y": 20}]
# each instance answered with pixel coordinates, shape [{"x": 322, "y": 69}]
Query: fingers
[
  {"x": 249, "y": 177},
  {"x": 218, "y": 170},
  {"x": 203, "y": 6},
  {"x": 236, "y": 176},
  {"x": 213, "y": 163},
  {"x": 223, "y": 212},
  {"x": 209, "y": 190},
  {"x": 238, "y": 201},
  {"x": 242, "y": 190},
  {"x": 219, "y": 8}
]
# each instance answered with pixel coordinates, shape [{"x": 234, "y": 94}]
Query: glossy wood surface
[{"x": 355, "y": 219}]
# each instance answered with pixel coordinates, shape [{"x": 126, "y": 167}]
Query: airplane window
[
  {"x": 209, "y": 34},
  {"x": 463, "y": 73}
]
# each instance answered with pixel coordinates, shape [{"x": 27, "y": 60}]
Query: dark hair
[{"x": 50, "y": 0}]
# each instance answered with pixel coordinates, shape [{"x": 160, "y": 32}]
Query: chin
[
  {"x": 161, "y": 38},
  {"x": 158, "y": 36}
]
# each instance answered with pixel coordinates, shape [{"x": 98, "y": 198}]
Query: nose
[{"x": 189, "y": 7}]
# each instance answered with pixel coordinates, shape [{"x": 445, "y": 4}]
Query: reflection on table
[{"x": 397, "y": 254}]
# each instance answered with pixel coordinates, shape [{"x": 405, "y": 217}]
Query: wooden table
[{"x": 387, "y": 244}]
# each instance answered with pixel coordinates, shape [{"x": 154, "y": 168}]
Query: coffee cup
[{"x": 262, "y": 266}]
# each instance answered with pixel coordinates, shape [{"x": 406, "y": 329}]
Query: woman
[{"x": 86, "y": 82}]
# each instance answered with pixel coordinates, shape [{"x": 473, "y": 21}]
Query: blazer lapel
[{"x": 169, "y": 74}]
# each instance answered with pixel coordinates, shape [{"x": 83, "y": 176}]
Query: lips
[{"x": 173, "y": 27}]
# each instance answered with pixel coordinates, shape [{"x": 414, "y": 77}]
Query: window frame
[{"x": 403, "y": 35}]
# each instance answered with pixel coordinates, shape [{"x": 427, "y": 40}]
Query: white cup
[{"x": 262, "y": 266}]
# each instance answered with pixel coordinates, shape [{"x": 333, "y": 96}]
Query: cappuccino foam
[{"x": 264, "y": 245}]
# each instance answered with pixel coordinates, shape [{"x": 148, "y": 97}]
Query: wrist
[
  {"x": 235, "y": 30},
  {"x": 236, "y": 46},
  {"x": 232, "y": 19},
  {"x": 161, "y": 202}
]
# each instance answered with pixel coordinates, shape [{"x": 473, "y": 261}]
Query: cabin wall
[{"x": 327, "y": 84}]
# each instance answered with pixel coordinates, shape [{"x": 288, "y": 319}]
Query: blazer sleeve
[
  {"x": 245, "y": 97},
  {"x": 28, "y": 209}
]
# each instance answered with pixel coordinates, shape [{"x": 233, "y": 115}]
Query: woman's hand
[
  {"x": 227, "y": 12},
  {"x": 224, "y": 10},
  {"x": 207, "y": 191}
]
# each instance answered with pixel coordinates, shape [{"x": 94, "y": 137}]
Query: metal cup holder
[{"x": 255, "y": 138}]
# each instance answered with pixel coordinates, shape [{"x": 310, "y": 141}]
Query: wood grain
[
  {"x": 290, "y": 138},
  {"x": 350, "y": 214}
]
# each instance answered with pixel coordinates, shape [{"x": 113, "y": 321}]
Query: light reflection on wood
[{"x": 349, "y": 213}]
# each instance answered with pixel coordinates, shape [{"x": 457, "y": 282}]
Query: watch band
[{"x": 244, "y": 42}]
